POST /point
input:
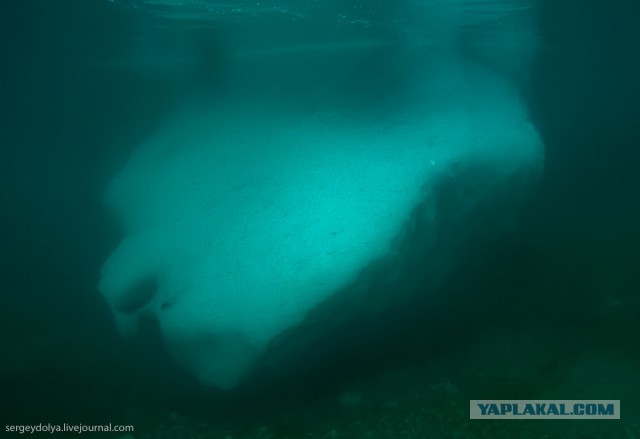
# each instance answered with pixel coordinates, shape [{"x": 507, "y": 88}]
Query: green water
[{"x": 549, "y": 312}]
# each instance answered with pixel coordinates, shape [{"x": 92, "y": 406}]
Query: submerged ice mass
[{"x": 242, "y": 216}]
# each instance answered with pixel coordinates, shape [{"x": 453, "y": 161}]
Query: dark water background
[{"x": 572, "y": 268}]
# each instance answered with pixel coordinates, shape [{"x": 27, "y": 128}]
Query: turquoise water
[{"x": 545, "y": 310}]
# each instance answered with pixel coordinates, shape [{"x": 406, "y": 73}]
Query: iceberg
[{"x": 244, "y": 219}]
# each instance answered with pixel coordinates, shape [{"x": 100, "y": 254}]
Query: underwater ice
[{"x": 240, "y": 218}]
